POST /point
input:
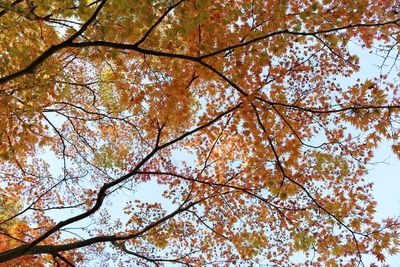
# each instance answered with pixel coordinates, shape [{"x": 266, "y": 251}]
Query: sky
[
  {"x": 384, "y": 170},
  {"x": 386, "y": 178}
]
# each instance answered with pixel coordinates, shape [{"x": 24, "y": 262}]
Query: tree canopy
[{"x": 194, "y": 132}]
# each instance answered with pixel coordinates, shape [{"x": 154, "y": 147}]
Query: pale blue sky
[{"x": 386, "y": 179}]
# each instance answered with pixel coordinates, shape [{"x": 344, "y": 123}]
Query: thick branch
[{"x": 53, "y": 49}]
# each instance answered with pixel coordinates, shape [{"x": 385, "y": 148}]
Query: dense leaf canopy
[{"x": 195, "y": 132}]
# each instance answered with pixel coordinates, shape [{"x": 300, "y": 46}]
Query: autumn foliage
[{"x": 194, "y": 132}]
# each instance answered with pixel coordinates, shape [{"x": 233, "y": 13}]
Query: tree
[{"x": 240, "y": 112}]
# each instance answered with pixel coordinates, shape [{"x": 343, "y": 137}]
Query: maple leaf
[{"x": 194, "y": 132}]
